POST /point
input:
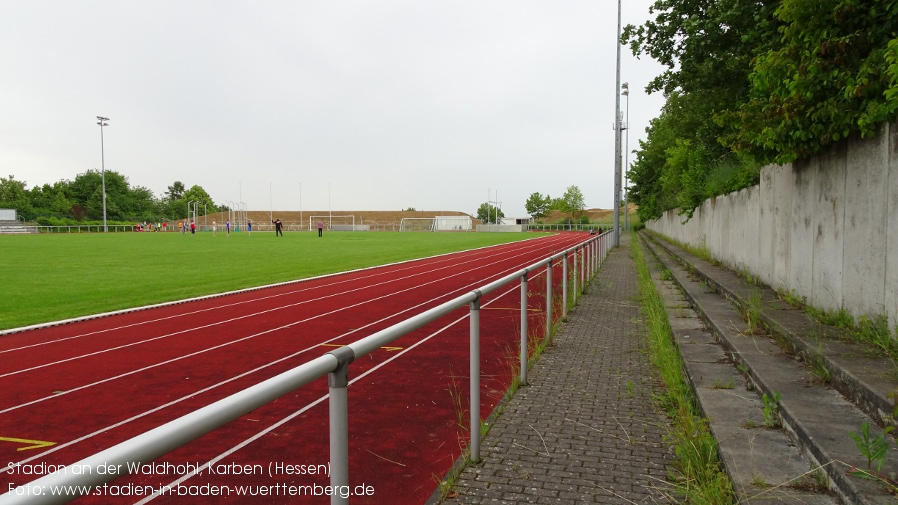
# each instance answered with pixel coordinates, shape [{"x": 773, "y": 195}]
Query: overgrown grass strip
[{"x": 698, "y": 475}]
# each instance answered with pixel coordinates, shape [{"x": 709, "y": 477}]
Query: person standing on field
[
  {"x": 320, "y": 228},
  {"x": 228, "y": 227},
  {"x": 249, "y": 228},
  {"x": 192, "y": 227},
  {"x": 277, "y": 228},
  {"x": 214, "y": 227}
]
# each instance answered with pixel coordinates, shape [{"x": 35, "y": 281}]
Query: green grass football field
[{"x": 49, "y": 277}]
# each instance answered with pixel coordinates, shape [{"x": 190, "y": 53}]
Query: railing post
[
  {"x": 549, "y": 298},
  {"x": 575, "y": 273},
  {"x": 564, "y": 286},
  {"x": 338, "y": 382},
  {"x": 524, "y": 354},
  {"x": 475, "y": 379},
  {"x": 592, "y": 259},
  {"x": 583, "y": 268}
]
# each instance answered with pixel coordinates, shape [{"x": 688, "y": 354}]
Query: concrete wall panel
[
  {"x": 891, "y": 227},
  {"x": 751, "y": 232},
  {"x": 866, "y": 204},
  {"x": 767, "y": 229},
  {"x": 829, "y": 224},
  {"x": 782, "y": 212},
  {"x": 801, "y": 232}
]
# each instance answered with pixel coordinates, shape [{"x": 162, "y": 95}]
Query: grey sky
[{"x": 354, "y": 105}]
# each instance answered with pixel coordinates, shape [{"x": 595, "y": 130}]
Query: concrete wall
[
  {"x": 501, "y": 227},
  {"x": 7, "y": 214},
  {"x": 825, "y": 227}
]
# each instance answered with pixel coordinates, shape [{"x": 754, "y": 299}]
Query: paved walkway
[{"x": 585, "y": 430}]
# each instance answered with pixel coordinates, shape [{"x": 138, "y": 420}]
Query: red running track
[{"x": 88, "y": 385}]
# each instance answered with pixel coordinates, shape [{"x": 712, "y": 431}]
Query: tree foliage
[
  {"x": 538, "y": 206},
  {"x": 573, "y": 201},
  {"x": 489, "y": 213},
  {"x": 831, "y": 76},
  {"x": 749, "y": 82},
  {"x": 82, "y": 199}
]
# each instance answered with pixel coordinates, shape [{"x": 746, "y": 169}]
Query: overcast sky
[{"x": 342, "y": 105}]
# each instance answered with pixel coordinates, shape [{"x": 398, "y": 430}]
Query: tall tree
[
  {"x": 194, "y": 194},
  {"x": 14, "y": 196},
  {"x": 538, "y": 206},
  {"x": 175, "y": 191},
  {"x": 832, "y": 73},
  {"x": 708, "y": 47},
  {"x": 573, "y": 200},
  {"x": 489, "y": 213}
]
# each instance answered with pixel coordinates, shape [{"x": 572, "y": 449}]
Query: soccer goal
[
  {"x": 417, "y": 224},
  {"x": 453, "y": 223},
  {"x": 334, "y": 223}
]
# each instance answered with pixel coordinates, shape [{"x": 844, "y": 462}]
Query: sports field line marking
[
  {"x": 441, "y": 259},
  {"x": 407, "y": 264},
  {"x": 245, "y": 374},
  {"x": 305, "y": 409},
  {"x": 213, "y": 386},
  {"x": 3, "y": 469},
  {"x": 31, "y": 444},
  {"x": 196, "y": 353},
  {"x": 251, "y": 315}
]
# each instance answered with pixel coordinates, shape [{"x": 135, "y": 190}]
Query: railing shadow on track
[{"x": 150, "y": 445}]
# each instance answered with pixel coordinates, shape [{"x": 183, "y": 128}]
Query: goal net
[
  {"x": 417, "y": 224},
  {"x": 334, "y": 223},
  {"x": 453, "y": 223}
]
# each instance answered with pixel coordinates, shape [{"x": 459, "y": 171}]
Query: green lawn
[{"x": 50, "y": 277}]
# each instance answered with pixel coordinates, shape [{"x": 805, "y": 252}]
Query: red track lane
[{"x": 88, "y": 385}]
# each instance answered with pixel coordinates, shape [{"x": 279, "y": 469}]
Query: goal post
[
  {"x": 335, "y": 223},
  {"x": 417, "y": 224}
]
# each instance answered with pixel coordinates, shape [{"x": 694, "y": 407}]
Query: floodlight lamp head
[
  {"x": 626, "y": 92},
  {"x": 625, "y": 86}
]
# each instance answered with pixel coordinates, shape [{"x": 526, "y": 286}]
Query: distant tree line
[
  {"x": 753, "y": 82},
  {"x": 81, "y": 200},
  {"x": 539, "y": 206}
]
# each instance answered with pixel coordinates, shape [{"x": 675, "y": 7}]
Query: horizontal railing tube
[
  {"x": 168, "y": 437},
  {"x": 174, "y": 434}
]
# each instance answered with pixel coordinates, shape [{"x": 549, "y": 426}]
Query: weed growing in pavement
[
  {"x": 751, "y": 312},
  {"x": 718, "y": 384},
  {"x": 817, "y": 365},
  {"x": 771, "y": 410},
  {"x": 875, "y": 449},
  {"x": 792, "y": 298},
  {"x": 698, "y": 475}
]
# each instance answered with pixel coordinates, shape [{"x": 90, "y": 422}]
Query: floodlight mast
[
  {"x": 617, "y": 137},
  {"x": 102, "y": 121},
  {"x": 626, "y": 92}
]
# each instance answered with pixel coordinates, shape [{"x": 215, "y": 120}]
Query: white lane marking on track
[
  {"x": 306, "y": 408},
  {"x": 209, "y": 388},
  {"x": 225, "y": 321},
  {"x": 169, "y": 361},
  {"x": 404, "y": 266}
]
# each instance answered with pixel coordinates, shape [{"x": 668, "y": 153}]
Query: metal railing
[{"x": 159, "y": 441}]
